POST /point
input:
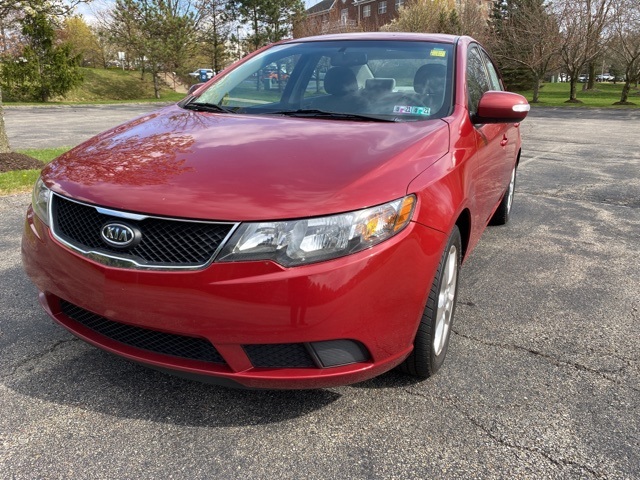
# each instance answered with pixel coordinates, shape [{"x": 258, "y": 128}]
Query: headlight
[
  {"x": 298, "y": 242},
  {"x": 40, "y": 201}
]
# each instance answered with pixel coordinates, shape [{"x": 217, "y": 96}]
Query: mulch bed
[{"x": 18, "y": 161}]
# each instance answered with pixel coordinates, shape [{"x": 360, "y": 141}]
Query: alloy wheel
[{"x": 446, "y": 299}]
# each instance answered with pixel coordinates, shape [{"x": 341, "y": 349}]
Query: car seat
[
  {"x": 342, "y": 86},
  {"x": 423, "y": 84}
]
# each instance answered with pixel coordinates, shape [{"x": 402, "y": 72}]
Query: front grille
[
  {"x": 143, "y": 338},
  {"x": 281, "y": 355},
  {"x": 165, "y": 242}
]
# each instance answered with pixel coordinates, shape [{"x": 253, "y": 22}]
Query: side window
[
  {"x": 494, "y": 78},
  {"x": 477, "y": 79}
]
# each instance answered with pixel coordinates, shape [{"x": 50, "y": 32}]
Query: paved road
[
  {"x": 66, "y": 126},
  {"x": 542, "y": 379}
]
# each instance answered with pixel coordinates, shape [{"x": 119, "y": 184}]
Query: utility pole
[{"x": 238, "y": 39}]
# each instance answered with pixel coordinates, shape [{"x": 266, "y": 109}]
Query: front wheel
[{"x": 432, "y": 338}]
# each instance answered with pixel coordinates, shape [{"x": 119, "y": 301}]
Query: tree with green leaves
[
  {"x": 83, "y": 40},
  {"x": 250, "y": 12},
  {"x": 269, "y": 20},
  {"x": 15, "y": 9},
  {"x": 215, "y": 32},
  {"x": 279, "y": 17},
  {"x": 43, "y": 68},
  {"x": 159, "y": 34}
]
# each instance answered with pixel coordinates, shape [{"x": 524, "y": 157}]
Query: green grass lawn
[
  {"x": 22, "y": 180},
  {"x": 604, "y": 95},
  {"x": 111, "y": 85}
]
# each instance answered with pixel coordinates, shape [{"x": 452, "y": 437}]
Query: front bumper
[{"x": 372, "y": 298}]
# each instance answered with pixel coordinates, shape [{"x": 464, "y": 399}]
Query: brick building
[
  {"x": 335, "y": 16},
  {"x": 332, "y": 16}
]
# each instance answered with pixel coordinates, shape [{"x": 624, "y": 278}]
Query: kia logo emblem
[{"x": 119, "y": 235}]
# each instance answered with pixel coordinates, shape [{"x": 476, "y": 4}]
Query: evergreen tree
[
  {"x": 158, "y": 34},
  {"x": 269, "y": 20},
  {"x": 215, "y": 32},
  {"x": 43, "y": 69}
]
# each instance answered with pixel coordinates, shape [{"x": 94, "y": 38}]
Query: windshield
[{"x": 395, "y": 80}]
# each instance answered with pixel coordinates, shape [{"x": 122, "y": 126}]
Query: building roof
[
  {"x": 323, "y": 6},
  {"x": 403, "y": 36}
]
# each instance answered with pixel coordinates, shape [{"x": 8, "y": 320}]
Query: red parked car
[{"x": 299, "y": 238}]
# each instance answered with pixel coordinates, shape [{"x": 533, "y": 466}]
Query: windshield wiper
[
  {"x": 313, "y": 113},
  {"x": 207, "y": 107}
]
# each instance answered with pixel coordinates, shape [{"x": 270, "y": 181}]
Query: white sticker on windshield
[{"x": 410, "y": 110}]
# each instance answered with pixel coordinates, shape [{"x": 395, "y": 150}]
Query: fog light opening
[{"x": 335, "y": 353}]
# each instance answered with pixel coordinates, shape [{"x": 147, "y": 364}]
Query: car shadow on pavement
[{"x": 80, "y": 376}]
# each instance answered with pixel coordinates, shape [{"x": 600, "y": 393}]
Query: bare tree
[
  {"x": 436, "y": 16},
  {"x": 528, "y": 37},
  {"x": 582, "y": 23},
  {"x": 4, "y": 140},
  {"x": 473, "y": 20},
  {"x": 625, "y": 43}
]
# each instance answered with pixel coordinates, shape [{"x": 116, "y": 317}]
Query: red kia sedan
[{"x": 297, "y": 232}]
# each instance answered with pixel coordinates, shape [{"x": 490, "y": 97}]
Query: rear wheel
[
  {"x": 502, "y": 214},
  {"x": 432, "y": 338}
]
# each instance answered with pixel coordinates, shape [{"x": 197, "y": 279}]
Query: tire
[
  {"x": 503, "y": 213},
  {"x": 432, "y": 338}
]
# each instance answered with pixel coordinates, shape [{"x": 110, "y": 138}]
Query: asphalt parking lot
[{"x": 542, "y": 378}]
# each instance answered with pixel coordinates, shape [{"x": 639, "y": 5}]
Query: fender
[{"x": 446, "y": 188}]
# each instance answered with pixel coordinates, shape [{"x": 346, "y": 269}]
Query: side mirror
[
  {"x": 193, "y": 88},
  {"x": 501, "y": 107}
]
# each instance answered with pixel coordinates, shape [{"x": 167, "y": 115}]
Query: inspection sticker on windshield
[
  {"x": 438, "y": 52},
  {"x": 409, "y": 110}
]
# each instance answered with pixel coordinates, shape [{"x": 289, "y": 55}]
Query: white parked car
[
  {"x": 196, "y": 73},
  {"x": 605, "y": 77}
]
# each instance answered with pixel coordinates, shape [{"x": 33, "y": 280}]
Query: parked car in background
[
  {"x": 300, "y": 237},
  {"x": 271, "y": 71},
  {"x": 197, "y": 73},
  {"x": 605, "y": 77}
]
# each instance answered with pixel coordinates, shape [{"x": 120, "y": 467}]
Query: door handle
[{"x": 504, "y": 141}]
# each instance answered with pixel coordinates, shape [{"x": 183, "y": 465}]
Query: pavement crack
[
  {"x": 501, "y": 440},
  {"x": 37, "y": 357},
  {"x": 555, "y": 361}
]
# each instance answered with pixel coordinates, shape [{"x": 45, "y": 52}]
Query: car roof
[{"x": 404, "y": 36}]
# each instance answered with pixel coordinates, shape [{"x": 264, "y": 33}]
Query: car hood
[{"x": 182, "y": 163}]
